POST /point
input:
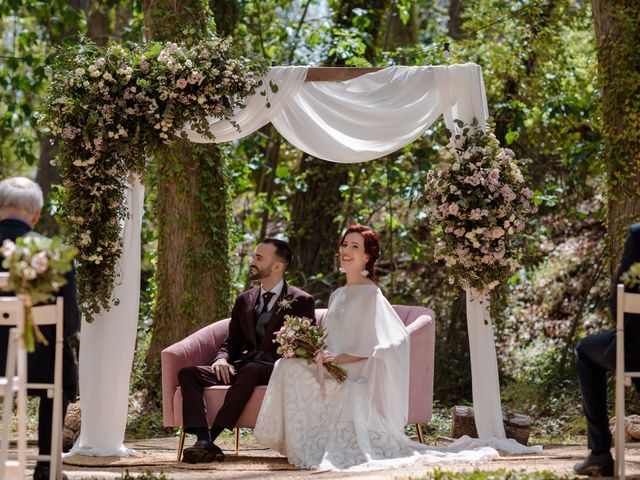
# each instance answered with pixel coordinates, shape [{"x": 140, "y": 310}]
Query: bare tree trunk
[
  {"x": 456, "y": 7},
  {"x": 193, "y": 212},
  {"x": 618, "y": 40}
]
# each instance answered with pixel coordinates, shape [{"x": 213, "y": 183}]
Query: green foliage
[
  {"x": 28, "y": 29},
  {"x": 493, "y": 475}
]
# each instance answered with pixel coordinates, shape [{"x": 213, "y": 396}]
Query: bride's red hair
[{"x": 371, "y": 246}]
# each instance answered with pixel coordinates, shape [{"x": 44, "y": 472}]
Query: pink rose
[
  {"x": 181, "y": 83},
  {"x": 454, "y": 209},
  {"x": 476, "y": 214},
  {"x": 40, "y": 262}
]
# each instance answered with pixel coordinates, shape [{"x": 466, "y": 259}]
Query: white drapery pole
[
  {"x": 487, "y": 406},
  {"x": 107, "y": 346}
]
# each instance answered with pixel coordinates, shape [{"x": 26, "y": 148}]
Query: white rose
[{"x": 29, "y": 273}]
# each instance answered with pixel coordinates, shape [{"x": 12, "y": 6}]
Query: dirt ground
[{"x": 253, "y": 462}]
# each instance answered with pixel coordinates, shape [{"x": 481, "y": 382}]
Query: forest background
[{"x": 546, "y": 87}]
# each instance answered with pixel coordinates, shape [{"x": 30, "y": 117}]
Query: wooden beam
[{"x": 336, "y": 74}]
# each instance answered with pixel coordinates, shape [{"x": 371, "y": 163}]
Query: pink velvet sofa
[{"x": 201, "y": 347}]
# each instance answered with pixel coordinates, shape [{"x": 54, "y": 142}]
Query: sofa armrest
[
  {"x": 422, "y": 340},
  {"x": 199, "y": 348}
]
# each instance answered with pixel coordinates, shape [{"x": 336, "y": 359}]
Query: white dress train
[{"x": 360, "y": 424}]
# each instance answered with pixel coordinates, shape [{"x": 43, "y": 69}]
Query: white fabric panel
[
  {"x": 363, "y": 118},
  {"x": 485, "y": 382},
  {"x": 484, "y": 367},
  {"x": 106, "y": 349},
  {"x": 360, "y": 119},
  {"x": 255, "y": 114}
]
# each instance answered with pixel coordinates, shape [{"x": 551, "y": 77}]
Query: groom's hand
[{"x": 223, "y": 370}]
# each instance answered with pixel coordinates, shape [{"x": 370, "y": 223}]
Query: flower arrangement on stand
[
  {"x": 37, "y": 266},
  {"x": 480, "y": 202},
  {"x": 109, "y": 109}
]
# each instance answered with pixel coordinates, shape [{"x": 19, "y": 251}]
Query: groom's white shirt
[{"x": 277, "y": 290}]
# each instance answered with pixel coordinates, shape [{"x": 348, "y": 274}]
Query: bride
[{"x": 358, "y": 424}]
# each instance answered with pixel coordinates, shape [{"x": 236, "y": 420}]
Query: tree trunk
[
  {"x": 617, "y": 26},
  {"x": 193, "y": 212},
  {"x": 313, "y": 231},
  {"x": 456, "y": 7}
]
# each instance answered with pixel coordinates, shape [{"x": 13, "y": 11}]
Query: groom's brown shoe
[
  {"x": 203, "y": 451},
  {"x": 596, "y": 465}
]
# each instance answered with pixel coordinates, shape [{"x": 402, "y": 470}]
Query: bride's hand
[{"x": 325, "y": 356}]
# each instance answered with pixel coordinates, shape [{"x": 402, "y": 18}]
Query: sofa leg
[
  {"x": 420, "y": 432},
  {"x": 181, "y": 443},
  {"x": 237, "y": 432}
]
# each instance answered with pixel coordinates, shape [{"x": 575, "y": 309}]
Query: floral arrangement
[
  {"x": 37, "y": 266},
  {"x": 299, "y": 338},
  {"x": 110, "y": 109},
  {"x": 631, "y": 278},
  {"x": 479, "y": 199}
]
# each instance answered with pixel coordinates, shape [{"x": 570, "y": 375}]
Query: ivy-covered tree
[
  {"x": 192, "y": 210},
  {"x": 617, "y": 27}
]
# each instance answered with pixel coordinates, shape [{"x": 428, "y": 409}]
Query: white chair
[
  {"x": 626, "y": 303},
  {"x": 12, "y": 313},
  {"x": 13, "y": 382}
]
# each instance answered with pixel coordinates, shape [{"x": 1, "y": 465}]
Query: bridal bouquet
[
  {"x": 36, "y": 271},
  {"x": 480, "y": 201},
  {"x": 299, "y": 338}
]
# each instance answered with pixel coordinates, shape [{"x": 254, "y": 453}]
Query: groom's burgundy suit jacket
[{"x": 241, "y": 343}]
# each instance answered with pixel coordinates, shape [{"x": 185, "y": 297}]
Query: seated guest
[
  {"x": 245, "y": 359},
  {"x": 20, "y": 205},
  {"x": 595, "y": 356}
]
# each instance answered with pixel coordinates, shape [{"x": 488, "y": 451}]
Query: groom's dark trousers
[
  {"x": 252, "y": 355},
  {"x": 596, "y": 356}
]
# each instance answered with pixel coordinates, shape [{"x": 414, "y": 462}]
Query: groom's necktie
[
  {"x": 264, "y": 316},
  {"x": 266, "y": 298}
]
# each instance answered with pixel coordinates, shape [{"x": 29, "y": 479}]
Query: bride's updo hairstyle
[{"x": 371, "y": 246}]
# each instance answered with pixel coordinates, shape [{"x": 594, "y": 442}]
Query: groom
[{"x": 246, "y": 357}]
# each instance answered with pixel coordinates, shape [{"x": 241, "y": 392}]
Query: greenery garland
[
  {"x": 480, "y": 201},
  {"x": 110, "y": 109}
]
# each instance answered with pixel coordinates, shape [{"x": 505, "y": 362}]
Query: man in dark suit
[
  {"x": 595, "y": 356},
  {"x": 245, "y": 359},
  {"x": 20, "y": 205}
]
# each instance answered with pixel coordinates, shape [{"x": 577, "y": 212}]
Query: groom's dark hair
[{"x": 283, "y": 250}]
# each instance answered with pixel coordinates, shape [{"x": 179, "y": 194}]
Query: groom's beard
[{"x": 256, "y": 274}]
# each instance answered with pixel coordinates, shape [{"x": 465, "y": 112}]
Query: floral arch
[{"x": 145, "y": 96}]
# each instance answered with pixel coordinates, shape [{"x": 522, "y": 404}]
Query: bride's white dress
[{"x": 360, "y": 423}]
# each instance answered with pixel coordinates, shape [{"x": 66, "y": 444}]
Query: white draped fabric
[
  {"x": 352, "y": 121},
  {"x": 107, "y": 346},
  {"x": 361, "y": 119}
]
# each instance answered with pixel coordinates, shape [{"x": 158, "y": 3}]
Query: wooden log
[
  {"x": 516, "y": 426},
  {"x": 337, "y": 74},
  {"x": 71, "y": 429}
]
